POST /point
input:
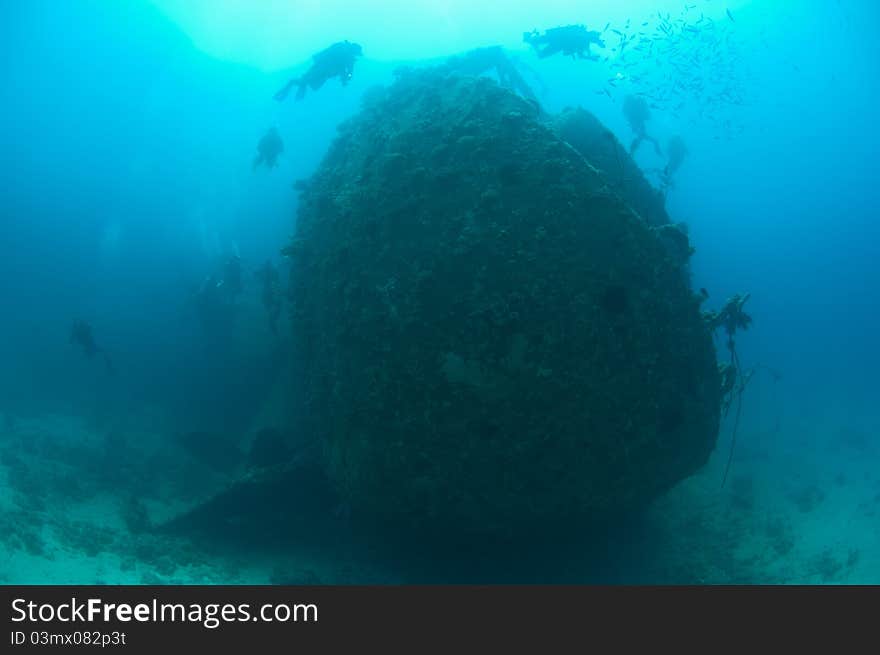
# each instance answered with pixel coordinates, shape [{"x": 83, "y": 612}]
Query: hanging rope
[{"x": 732, "y": 317}]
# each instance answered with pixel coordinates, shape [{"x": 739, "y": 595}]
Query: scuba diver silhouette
[
  {"x": 635, "y": 108},
  {"x": 81, "y": 335},
  {"x": 336, "y": 60}
]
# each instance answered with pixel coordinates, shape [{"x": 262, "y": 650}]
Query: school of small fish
[{"x": 688, "y": 66}]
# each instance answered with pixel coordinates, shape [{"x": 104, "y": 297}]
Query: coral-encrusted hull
[{"x": 489, "y": 339}]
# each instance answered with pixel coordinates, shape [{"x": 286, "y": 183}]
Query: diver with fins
[
  {"x": 571, "y": 40},
  {"x": 268, "y": 149},
  {"x": 336, "y": 60},
  {"x": 635, "y": 108},
  {"x": 676, "y": 151},
  {"x": 81, "y": 335}
]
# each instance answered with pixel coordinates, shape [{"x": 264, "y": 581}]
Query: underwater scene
[{"x": 384, "y": 292}]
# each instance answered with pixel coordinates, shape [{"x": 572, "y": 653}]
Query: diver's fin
[
  {"x": 285, "y": 90},
  {"x": 635, "y": 145},
  {"x": 657, "y": 147}
]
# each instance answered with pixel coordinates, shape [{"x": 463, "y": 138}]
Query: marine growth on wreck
[{"x": 493, "y": 322}]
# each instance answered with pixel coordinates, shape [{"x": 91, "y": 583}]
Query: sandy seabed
[{"x": 799, "y": 507}]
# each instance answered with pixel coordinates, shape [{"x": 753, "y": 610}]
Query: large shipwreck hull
[{"x": 489, "y": 338}]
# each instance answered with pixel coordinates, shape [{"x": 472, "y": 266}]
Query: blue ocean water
[{"x": 129, "y": 134}]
